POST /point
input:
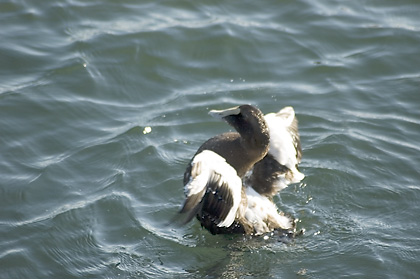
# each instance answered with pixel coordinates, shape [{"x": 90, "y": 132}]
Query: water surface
[{"x": 103, "y": 103}]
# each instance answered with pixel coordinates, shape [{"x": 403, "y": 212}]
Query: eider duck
[{"x": 230, "y": 181}]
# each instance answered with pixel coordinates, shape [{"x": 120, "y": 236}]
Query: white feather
[
  {"x": 260, "y": 209},
  {"x": 282, "y": 145}
]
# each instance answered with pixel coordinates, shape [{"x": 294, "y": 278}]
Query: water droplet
[{"x": 147, "y": 130}]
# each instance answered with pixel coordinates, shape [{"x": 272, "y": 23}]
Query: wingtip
[{"x": 297, "y": 176}]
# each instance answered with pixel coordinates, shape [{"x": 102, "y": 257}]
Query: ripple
[{"x": 85, "y": 193}]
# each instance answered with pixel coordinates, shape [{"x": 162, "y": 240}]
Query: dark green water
[{"x": 103, "y": 103}]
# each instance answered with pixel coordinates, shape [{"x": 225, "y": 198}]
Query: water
[{"x": 103, "y": 103}]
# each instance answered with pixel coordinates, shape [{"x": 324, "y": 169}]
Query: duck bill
[{"x": 225, "y": 112}]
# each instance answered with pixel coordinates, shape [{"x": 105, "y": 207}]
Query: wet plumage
[{"x": 230, "y": 181}]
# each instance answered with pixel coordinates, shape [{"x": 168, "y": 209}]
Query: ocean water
[{"x": 103, "y": 103}]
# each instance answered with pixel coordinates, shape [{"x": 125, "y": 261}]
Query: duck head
[{"x": 249, "y": 122}]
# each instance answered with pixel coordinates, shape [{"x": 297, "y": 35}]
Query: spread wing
[
  {"x": 212, "y": 188},
  {"x": 284, "y": 137},
  {"x": 279, "y": 166}
]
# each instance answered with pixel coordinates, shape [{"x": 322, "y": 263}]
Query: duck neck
[{"x": 256, "y": 145}]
